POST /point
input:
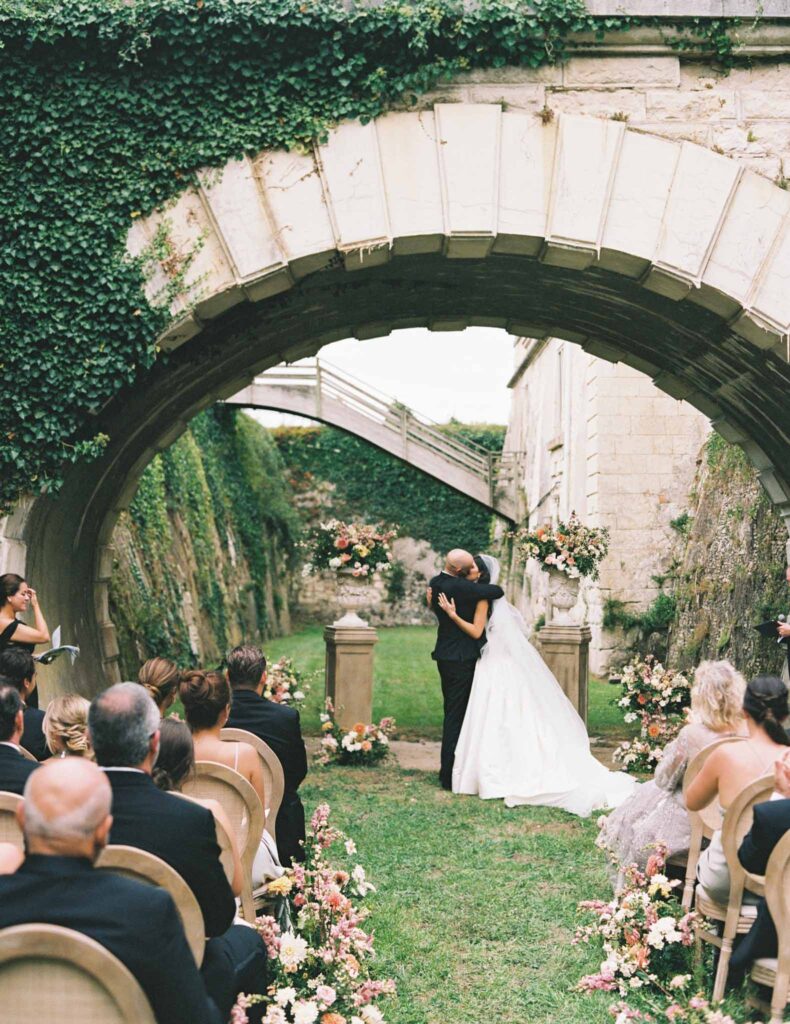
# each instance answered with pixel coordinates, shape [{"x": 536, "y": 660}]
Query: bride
[{"x": 522, "y": 740}]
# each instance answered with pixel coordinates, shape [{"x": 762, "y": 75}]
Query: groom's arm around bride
[{"x": 456, "y": 652}]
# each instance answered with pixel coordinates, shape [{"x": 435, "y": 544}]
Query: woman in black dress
[{"x": 15, "y": 599}]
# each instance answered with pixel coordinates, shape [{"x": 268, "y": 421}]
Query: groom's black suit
[{"x": 456, "y": 655}]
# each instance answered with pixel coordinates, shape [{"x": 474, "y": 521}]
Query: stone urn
[
  {"x": 563, "y": 595},
  {"x": 352, "y": 592}
]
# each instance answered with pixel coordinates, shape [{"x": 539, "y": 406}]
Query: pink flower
[{"x": 674, "y": 1012}]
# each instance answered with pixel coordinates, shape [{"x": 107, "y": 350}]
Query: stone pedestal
[
  {"x": 565, "y": 649},
  {"x": 349, "y": 672}
]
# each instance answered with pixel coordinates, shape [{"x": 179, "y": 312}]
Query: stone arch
[{"x": 658, "y": 253}]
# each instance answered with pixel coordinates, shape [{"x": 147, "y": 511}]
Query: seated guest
[
  {"x": 771, "y": 821},
  {"x": 277, "y": 725},
  {"x": 124, "y": 728},
  {"x": 66, "y": 821},
  {"x": 731, "y": 768},
  {"x": 15, "y": 768},
  {"x": 174, "y": 765},
  {"x": 206, "y": 700},
  {"x": 66, "y": 726},
  {"x": 160, "y": 678},
  {"x": 656, "y": 811},
  {"x": 18, "y": 668}
]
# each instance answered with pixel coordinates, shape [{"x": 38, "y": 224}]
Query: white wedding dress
[{"x": 522, "y": 740}]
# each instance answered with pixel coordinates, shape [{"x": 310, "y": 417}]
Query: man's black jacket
[{"x": 452, "y": 644}]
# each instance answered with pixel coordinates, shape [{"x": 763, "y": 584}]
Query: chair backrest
[
  {"x": 777, "y": 896},
  {"x": 703, "y": 823},
  {"x": 738, "y": 820},
  {"x": 145, "y": 867},
  {"x": 53, "y": 973},
  {"x": 224, "y": 840},
  {"x": 28, "y": 755},
  {"x": 10, "y": 832},
  {"x": 273, "y": 775},
  {"x": 213, "y": 781}
]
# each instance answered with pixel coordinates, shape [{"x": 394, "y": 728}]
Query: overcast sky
[{"x": 442, "y": 375}]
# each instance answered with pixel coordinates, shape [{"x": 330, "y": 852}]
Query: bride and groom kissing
[{"x": 509, "y": 731}]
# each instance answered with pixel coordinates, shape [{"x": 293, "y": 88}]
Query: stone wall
[
  {"x": 600, "y": 439},
  {"x": 730, "y": 571}
]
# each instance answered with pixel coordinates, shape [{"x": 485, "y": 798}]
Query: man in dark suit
[
  {"x": 456, "y": 652},
  {"x": 19, "y": 669},
  {"x": 66, "y": 820},
  {"x": 124, "y": 730},
  {"x": 15, "y": 768},
  {"x": 771, "y": 821},
  {"x": 278, "y": 725}
]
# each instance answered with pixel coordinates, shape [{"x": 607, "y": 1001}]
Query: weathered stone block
[
  {"x": 695, "y": 105},
  {"x": 627, "y": 102},
  {"x": 628, "y": 72},
  {"x": 515, "y": 97},
  {"x": 756, "y": 103}
]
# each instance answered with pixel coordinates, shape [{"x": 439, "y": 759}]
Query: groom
[{"x": 455, "y": 652}]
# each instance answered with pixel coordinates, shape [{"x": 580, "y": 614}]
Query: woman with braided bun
[
  {"x": 731, "y": 767},
  {"x": 65, "y": 726},
  {"x": 160, "y": 677}
]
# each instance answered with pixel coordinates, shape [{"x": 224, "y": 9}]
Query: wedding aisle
[{"x": 475, "y": 908}]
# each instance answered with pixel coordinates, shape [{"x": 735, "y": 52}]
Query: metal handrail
[{"x": 495, "y": 469}]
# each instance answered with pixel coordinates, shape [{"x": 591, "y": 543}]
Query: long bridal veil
[{"x": 522, "y": 739}]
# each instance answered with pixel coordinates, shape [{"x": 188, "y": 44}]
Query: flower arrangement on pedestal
[
  {"x": 363, "y": 744},
  {"x": 658, "y": 698},
  {"x": 569, "y": 547},
  {"x": 285, "y": 684},
  {"x": 319, "y": 967},
  {"x": 358, "y": 549}
]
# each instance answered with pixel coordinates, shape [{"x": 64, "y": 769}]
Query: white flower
[
  {"x": 293, "y": 950},
  {"x": 351, "y": 847},
  {"x": 335, "y": 563},
  {"x": 298, "y": 695},
  {"x": 284, "y": 996},
  {"x": 305, "y": 1013},
  {"x": 329, "y": 743},
  {"x": 662, "y": 932},
  {"x": 275, "y": 1015},
  {"x": 679, "y": 980},
  {"x": 372, "y": 1015},
  {"x": 326, "y": 994}
]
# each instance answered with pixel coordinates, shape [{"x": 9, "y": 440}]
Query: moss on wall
[
  {"x": 334, "y": 473},
  {"x": 731, "y": 566},
  {"x": 204, "y": 553}
]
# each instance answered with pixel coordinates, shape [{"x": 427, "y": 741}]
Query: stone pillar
[
  {"x": 565, "y": 649},
  {"x": 349, "y": 672}
]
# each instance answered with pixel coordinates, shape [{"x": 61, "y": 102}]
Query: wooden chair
[
  {"x": 774, "y": 972},
  {"x": 223, "y": 839},
  {"x": 273, "y": 776},
  {"x": 53, "y": 973},
  {"x": 28, "y": 755},
  {"x": 10, "y": 832},
  {"x": 736, "y": 916},
  {"x": 703, "y": 823},
  {"x": 142, "y": 866},
  {"x": 213, "y": 781}
]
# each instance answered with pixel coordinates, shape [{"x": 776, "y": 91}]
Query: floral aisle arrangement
[
  {"x": 364, "y": 744},
  {"x": 571, "y": 547},
  {"x": 285, "y": 684},
  {"x": 680, "y": 1009},
  {"x": 359, "y": 549},
  {"x": 658, "y": 698},
  {"x": 320, "y": 966},
  {"x": 644, "y": 934}
]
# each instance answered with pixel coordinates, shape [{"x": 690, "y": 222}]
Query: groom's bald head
[{"x": 458, "y": 562}]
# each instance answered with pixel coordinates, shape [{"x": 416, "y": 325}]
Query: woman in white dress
[{"x": 522, "y": 740}]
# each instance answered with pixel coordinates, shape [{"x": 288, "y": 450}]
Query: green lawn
[{"x": 406, "y": 683}]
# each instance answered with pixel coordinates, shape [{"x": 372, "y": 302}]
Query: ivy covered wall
[
  {"x": 204, "y": 555},
  {"x": 730, "y": 572},
  {"x": 333, "y": 473}
]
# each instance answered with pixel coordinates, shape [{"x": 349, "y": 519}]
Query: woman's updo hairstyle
[
  {"x": 765, "y": 701},
  {"x": 485, "y": 575},
  {"x": 160, "y": 677},
  {"x": 205, "y": 695},
  {"x": 10, "y": 583},
  {"x": 176, "y": 759},
  {"x": 65, "y": 726}
]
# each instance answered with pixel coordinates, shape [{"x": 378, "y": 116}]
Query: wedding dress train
[{"x": 522, "y": 740}]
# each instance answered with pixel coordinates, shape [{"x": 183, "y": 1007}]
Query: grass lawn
[
  {"x": 406, "y": 683},
  {"x": 476, "y": 904}
]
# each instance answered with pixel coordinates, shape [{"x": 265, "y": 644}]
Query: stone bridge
[
  {"x": 319, "y": 391},
  {"x": 631, "y": 201}
]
